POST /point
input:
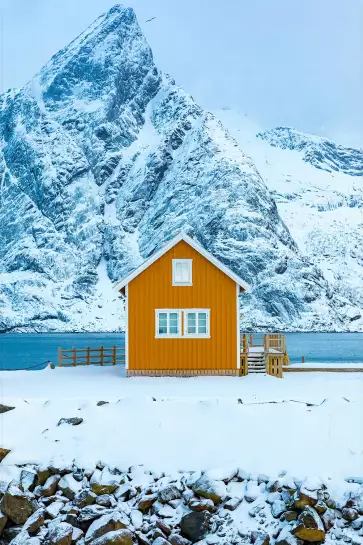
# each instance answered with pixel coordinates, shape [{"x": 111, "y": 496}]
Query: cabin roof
[{"x": 182, "y": 236}]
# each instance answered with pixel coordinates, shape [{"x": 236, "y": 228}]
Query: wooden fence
[
  {"x": 275, "y": 341},
  {"x": 91, "y": 356}
]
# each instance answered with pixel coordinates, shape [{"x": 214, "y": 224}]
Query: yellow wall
[{"x": 153, "y": 289}]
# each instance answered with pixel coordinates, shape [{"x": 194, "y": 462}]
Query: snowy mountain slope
[
  {"x": 103, "y": 160},
  {"x": 320, "y": 152},
  {"x": 323, "y": 210}
]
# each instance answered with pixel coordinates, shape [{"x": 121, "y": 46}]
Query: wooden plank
[
  {"x": 60, "y": 357},
  {"x": 182, "y": 372},
  {"x": 77, "y": 350},
  {"x": 85, "y": 355},
  {"x": 323, "y": 370}
]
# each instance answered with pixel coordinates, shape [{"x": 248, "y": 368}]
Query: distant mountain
[
  {"x": 104, "y": 159},
  {"x": 322, "y": 209},
  {"x": 320, "y": 152}
]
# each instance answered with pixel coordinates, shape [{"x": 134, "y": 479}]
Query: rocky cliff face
[{"x": 103, "y": 159}]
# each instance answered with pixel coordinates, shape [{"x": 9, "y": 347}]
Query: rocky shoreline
[{"x": 109, "y": 506}]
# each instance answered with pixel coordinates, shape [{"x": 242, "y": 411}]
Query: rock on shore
[{"x": 126, "y": 506}]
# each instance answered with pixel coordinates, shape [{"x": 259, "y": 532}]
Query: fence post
[
  {"x": 114, "y": 355},
  {"x": 267, "y": 343},
  {"x": 101, "y": 355},
  {"x": 74, "y": 356},
  {"x": 245, "y": 343},
  {"x": 88, "y": 356},
  {"x": 59, "y": 357}
]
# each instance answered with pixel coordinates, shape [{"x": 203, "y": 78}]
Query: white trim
[
  {"x": 167, "y": 335},
  {"x": 127, "y": 327},
  {"x": 190, "y": 263},
  {"x": 122, "y": 283},
  {"x": 196, "y": 335},
  {"x": 238, "y": 329}
]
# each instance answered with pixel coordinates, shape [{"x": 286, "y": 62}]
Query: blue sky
[{"x": 283, "y": 62}]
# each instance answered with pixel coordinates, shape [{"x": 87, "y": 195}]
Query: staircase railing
[{"x": 274, "y": 351}]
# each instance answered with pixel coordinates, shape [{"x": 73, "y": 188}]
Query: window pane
[
  {"x": 202, "y": 323},
  {"x": 185, "y": 273},
  {"x": 163, "y": 329},
  {"x": 173, "y": 323},
  {"x": 191, "y": 321},
  {"x": 178, "y": 271}
]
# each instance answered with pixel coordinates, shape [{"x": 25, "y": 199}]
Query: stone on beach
[
  {"x": 310, "y": 527},
  {"x": 210, "y": 489},
  {"x": 61, "y": 534},
  {"x": 17, "y": 505},
  {"x": 194, "y": 525},
  {"x": 103, "y": 482}
]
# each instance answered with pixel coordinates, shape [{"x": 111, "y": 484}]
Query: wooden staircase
[
  {"x": 263, "y": 353},
  {"x": 256, "y": 361}
]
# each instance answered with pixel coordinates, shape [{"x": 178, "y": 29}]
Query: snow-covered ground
[{"x": 307, "y": 424}]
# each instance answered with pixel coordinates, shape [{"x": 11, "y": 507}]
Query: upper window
[
  {"x": 168, "y": 323},
  {"x": 196, "y": 323},
  {"x": 182, "y": 272}
]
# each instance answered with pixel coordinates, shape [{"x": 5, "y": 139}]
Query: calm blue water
[{"x": 19, "y": 351}]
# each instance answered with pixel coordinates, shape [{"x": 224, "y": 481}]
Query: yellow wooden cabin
[{"x": 182, "y": 314}]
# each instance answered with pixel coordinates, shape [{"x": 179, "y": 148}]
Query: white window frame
[
  {"x": 168, "y": 311},
  {"x": 196, "y": 335},
  {"x": 190, "y": 263}
]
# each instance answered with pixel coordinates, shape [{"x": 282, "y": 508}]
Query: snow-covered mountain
[
  {"x": 320, "y": 152},
  {"x": 322, "y": 207},
  {"x": 104, "y": 158}
]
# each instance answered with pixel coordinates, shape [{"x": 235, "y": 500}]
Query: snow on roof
[{"x": 182, "y": 236}]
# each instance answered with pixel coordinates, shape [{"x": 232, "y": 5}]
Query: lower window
[
  {"x": 196, "y": 323},
  {"x": 168, "y": 323}
]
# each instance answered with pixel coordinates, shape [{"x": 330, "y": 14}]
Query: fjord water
[{"x": 24, "y": 350}]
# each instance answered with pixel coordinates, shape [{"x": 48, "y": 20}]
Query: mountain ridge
[{"x": 319, "y": 151}]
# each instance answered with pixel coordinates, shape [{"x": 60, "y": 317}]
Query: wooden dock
[{"x": 329, "y": 368}]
